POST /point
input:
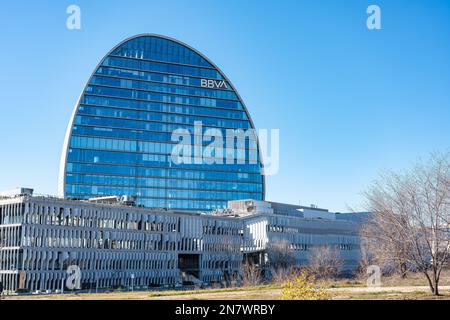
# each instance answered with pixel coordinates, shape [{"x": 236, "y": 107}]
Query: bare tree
[
  {"x": 251, "y": 274},
  {"x": 281, "y": 275},
  {"x": 228, "y": 270},
  {"x": 280, "y": 254},
  {"x": 387, "y": 255},
  {"x": 367, "y": 256},
  {"x": 281, "y": 260},
  {"x": 324, "y": 261},
  {"x": 409, "y": 218}
]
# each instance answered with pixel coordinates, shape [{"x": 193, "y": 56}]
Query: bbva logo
[{"x": 214, "y": 84}]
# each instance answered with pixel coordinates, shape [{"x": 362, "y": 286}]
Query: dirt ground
[{"x": 414, "y": 287}]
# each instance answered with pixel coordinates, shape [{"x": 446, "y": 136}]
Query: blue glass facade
[{"x": 119, "y": 140}]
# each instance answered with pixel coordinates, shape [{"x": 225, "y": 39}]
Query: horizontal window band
[
  {"x": 159, "y": 74},
  {"x": 164, "y": 88},
  {"x": 168, "y": 85},
  {"x": 164, "y": 62},
  {"x": 169, "y": 105},
  {"x": 114, "y": 108},
  {"x": 163, "y": 167},
  {"x": 79, "y": 113},
  {"x": 192, "y": 157},
  {"x": 138, "y": 130},
  {"x": 164, "y": 102},
  {"x": 161, "y": 188},
  {"x": 166, "y": 177},
  {"x": 153, "y": 66},
  {"x": 105, "y": 64},
  {"x": 127, "y": 68},
  {"x": 150, "y": 102},
  {"x": 168, "y": 142},
  {"x": 172, "y": 94}
]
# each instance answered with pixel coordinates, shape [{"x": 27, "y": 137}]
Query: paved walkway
[{"x": 404, "y": 289}]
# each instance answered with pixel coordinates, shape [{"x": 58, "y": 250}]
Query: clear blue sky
[{"x": 349, "y": 102}]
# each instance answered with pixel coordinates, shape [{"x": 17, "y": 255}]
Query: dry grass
[
  {"x": 414, "y": 287},
  {"x": 414, "y": 279},
  {"x": 413, "y": 293},
  {"x": 390, "y": 295},
  {"x": 257, "y": 292}
]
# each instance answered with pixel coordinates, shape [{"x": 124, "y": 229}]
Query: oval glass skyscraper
[{"x": 150, "y": 100}]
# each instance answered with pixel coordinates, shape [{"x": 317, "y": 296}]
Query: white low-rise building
[
  {"x": 300, "y": 228},
  {"x": 114, "y": 244}
]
